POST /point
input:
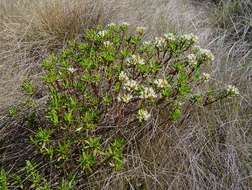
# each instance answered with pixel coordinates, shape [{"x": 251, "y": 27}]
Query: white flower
[
  {"x": 206, "y": 76},
  {"x": 148, "y": 92},
  {"x": 123, "y": 76},
  {"x": 170, "y": 37},
  {"x": 125, "y": 24},
  {"x": 196, "y": 49},
  {"x": 192, "y": 59},
  {"x": 159, "y": 42},
  {"x": 206, "y": 54},
  {"x": 131, "y": 85},
  {"x": 111, "y": 24},
  {"x": 146, "y": 43},
  {"x": 190, "y": 38},
  {"x": 233, "y": 90},
  {"x": 194, "y": 39},
  {"x": 107, "y": 43},
  {"x": 71, "y": 69},
  {"x": 161, "y": 83},
  {"x": 143, "y": 115},
  {"x": 125, "y": 98},
  {"x": 134, "y": 60},
  {"x": 140, "y": 61},
  {"x": 140, "y": 30},
  {"x": 128, "y": 60},
  {"x": 102, "y": 33}
]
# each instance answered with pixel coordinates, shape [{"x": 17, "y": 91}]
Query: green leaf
[
  {"x": 28, "y": 87},
  {"x": 53, "y": 116},
  {"x": 176, "y": 114}
]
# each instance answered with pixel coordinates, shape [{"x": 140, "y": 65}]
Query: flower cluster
[
  {"x": 103, "y": 33},
  {"x": 190, "y": 38},
  {"x": 134, "y": 60},
  {"x": 205, "y": 76},
  {"x": 123, "y": 76},
  {"x": 107, "y": 43},
  {"x": 147, "y": 43},
  {"x": 131, "y": 85},
  {"x": 143, "y": 115},
  {"x": 170, "y": 37},
  {"x": 207, "y": 55},
  {"x": 160, "y": 42},
  {"x": 140, "y": 30},
  {"x": 192, "y": 59},
  {"x": 232, "y": 90},
  {"x": 148, "y": 92},
  {"x": 203, "y": 54},
  {"x": 125, "y": 24},
  {"x": 161, "y": 83},
  {"x": 125, "y": 98},
  {"x": 71, "y": 69}
]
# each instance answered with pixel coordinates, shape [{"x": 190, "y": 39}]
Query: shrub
[{"x": 110, "y": 88}]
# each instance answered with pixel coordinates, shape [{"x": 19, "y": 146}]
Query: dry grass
[
  {"x": 213, "y": 150},
  {"x": 30, "y": 29}
]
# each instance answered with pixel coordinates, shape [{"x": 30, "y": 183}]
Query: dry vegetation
[{"x": 213, "y": 150}]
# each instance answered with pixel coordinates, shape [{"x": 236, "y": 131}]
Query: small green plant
[
  {"x": 115, "y": 151},
  {"x": 67, "y": 184},
  {"x": 42, "y": 141},
  {"x": 63, "y": 150},
  {"x": 3, "y": 180},
  {"x": 13, "y": 111},
  {"x": 28, "y": 87},
  {"x": 34, "y": 176}
]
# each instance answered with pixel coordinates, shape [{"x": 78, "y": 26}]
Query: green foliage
[
  {"x": 28, "y": 87},
  {"x": 67, "y": 185},
  {"x": 42, "y": 137},
  {"x": 109, "y": 84},
  {"x": 34, "y": 176},
  {"x": 115, "y": 151},
  {"x": 13, "y": 111},
  {"x": 63, "y": 150},
  {"x": 3, "y": 180}
]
